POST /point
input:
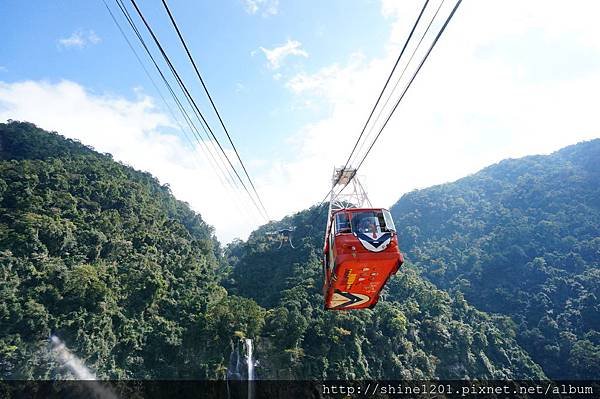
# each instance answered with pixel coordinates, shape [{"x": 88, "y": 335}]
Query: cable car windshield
[{"x": 373, "y": 222}]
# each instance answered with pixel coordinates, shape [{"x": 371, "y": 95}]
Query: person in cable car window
[{"x": 369, "y": 225}]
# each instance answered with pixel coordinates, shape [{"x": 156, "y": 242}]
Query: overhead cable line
[
  {"x": 195, "y": 106},
  {"x": 175, "y": 97},
  {"x": 153, "y": 82},
  {"x": 186, "y": 116},
  {"x": 399, "y": 78},
  {"x": 385, "y": 86},
  {"x": 114, "y": 19},
  {"x": 189, "y": 54},
  {"x": 410, "y": 82},
  {"x": 398, "y": 101},
  {"x": 195, "y": 132},
  {"x": 376, "y": 103}
]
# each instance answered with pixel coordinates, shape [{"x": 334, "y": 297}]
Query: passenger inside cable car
[{"x": 370, "y": 225}]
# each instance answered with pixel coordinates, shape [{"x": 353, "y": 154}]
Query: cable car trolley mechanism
[
  {"x": 361, "y": 246},
  {"x": 283, "y": 235}
]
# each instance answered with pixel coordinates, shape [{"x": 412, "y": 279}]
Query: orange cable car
[{"x": 360, "y": 253}]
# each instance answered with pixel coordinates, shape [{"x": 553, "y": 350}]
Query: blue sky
[
  {"x": 225, "y": 39},
  {"x": 295, "y": 80}
]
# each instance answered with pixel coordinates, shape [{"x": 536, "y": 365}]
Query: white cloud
[
  {"x": 499, "y": 84},
  {"x": 266, "y": 7},
  {"x": 277, "y": 55},
  {"x": 93, "y": 38},
  {"x": 80, "y": 39},
  {"x": 134, "y": 132}
]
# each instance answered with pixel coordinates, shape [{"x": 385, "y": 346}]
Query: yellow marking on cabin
[{"x": 351, "y": 279}]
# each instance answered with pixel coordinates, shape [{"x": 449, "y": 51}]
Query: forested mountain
[
  {"x": 135, "y": 283},
  {"x": 104, "y": 257},
  {"x": 415, "y": 332},
  {"x": 520, "y": 238}
]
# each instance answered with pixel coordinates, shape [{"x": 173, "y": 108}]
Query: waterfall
[
  {"x": 250, "y": 366},
  {"x": 67, "y": 359},
  {"x": 249, "y": 359},
  {"x": 241, "y": 367},
  {"x": 233, "y": 371}
]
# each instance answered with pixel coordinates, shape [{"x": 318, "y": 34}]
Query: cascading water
[
  {"x": 68, "y": 360},
  {"x": 241, "y": 366},
  {"x": 249, "y": 358},
  {"x": 250, "y": 366}
]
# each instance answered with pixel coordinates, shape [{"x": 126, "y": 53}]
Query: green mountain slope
[
  {"x": 416, "y": 331},
  {"x": 520, "y": 238},
  {"x": 104, "y": 257},
  {"x": 135, "y": 283}
]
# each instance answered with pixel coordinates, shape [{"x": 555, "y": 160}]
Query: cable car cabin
[{"x": 361, "y": 253}]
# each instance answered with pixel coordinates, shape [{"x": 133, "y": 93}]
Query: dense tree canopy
[
  {"x": 416, "y": 330},
  {"x": 520, "y": 238},
  {"x": 107, "y": 259}
]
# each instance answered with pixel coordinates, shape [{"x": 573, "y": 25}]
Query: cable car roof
[{"x": 355, "y": 210}]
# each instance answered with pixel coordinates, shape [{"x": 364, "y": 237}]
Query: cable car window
[
  {"x": 342, "y": 224},
  {"x": 373, "y": 222},
  {"x": 389, "y": 222}
]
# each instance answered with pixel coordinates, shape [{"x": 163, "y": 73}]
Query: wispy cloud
[
  {"x": 80, "y": 39},
  {"x": 239, "y": 87},
  {"x": 277, "y": 55},
  {"x": 264, "y": 7}
]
